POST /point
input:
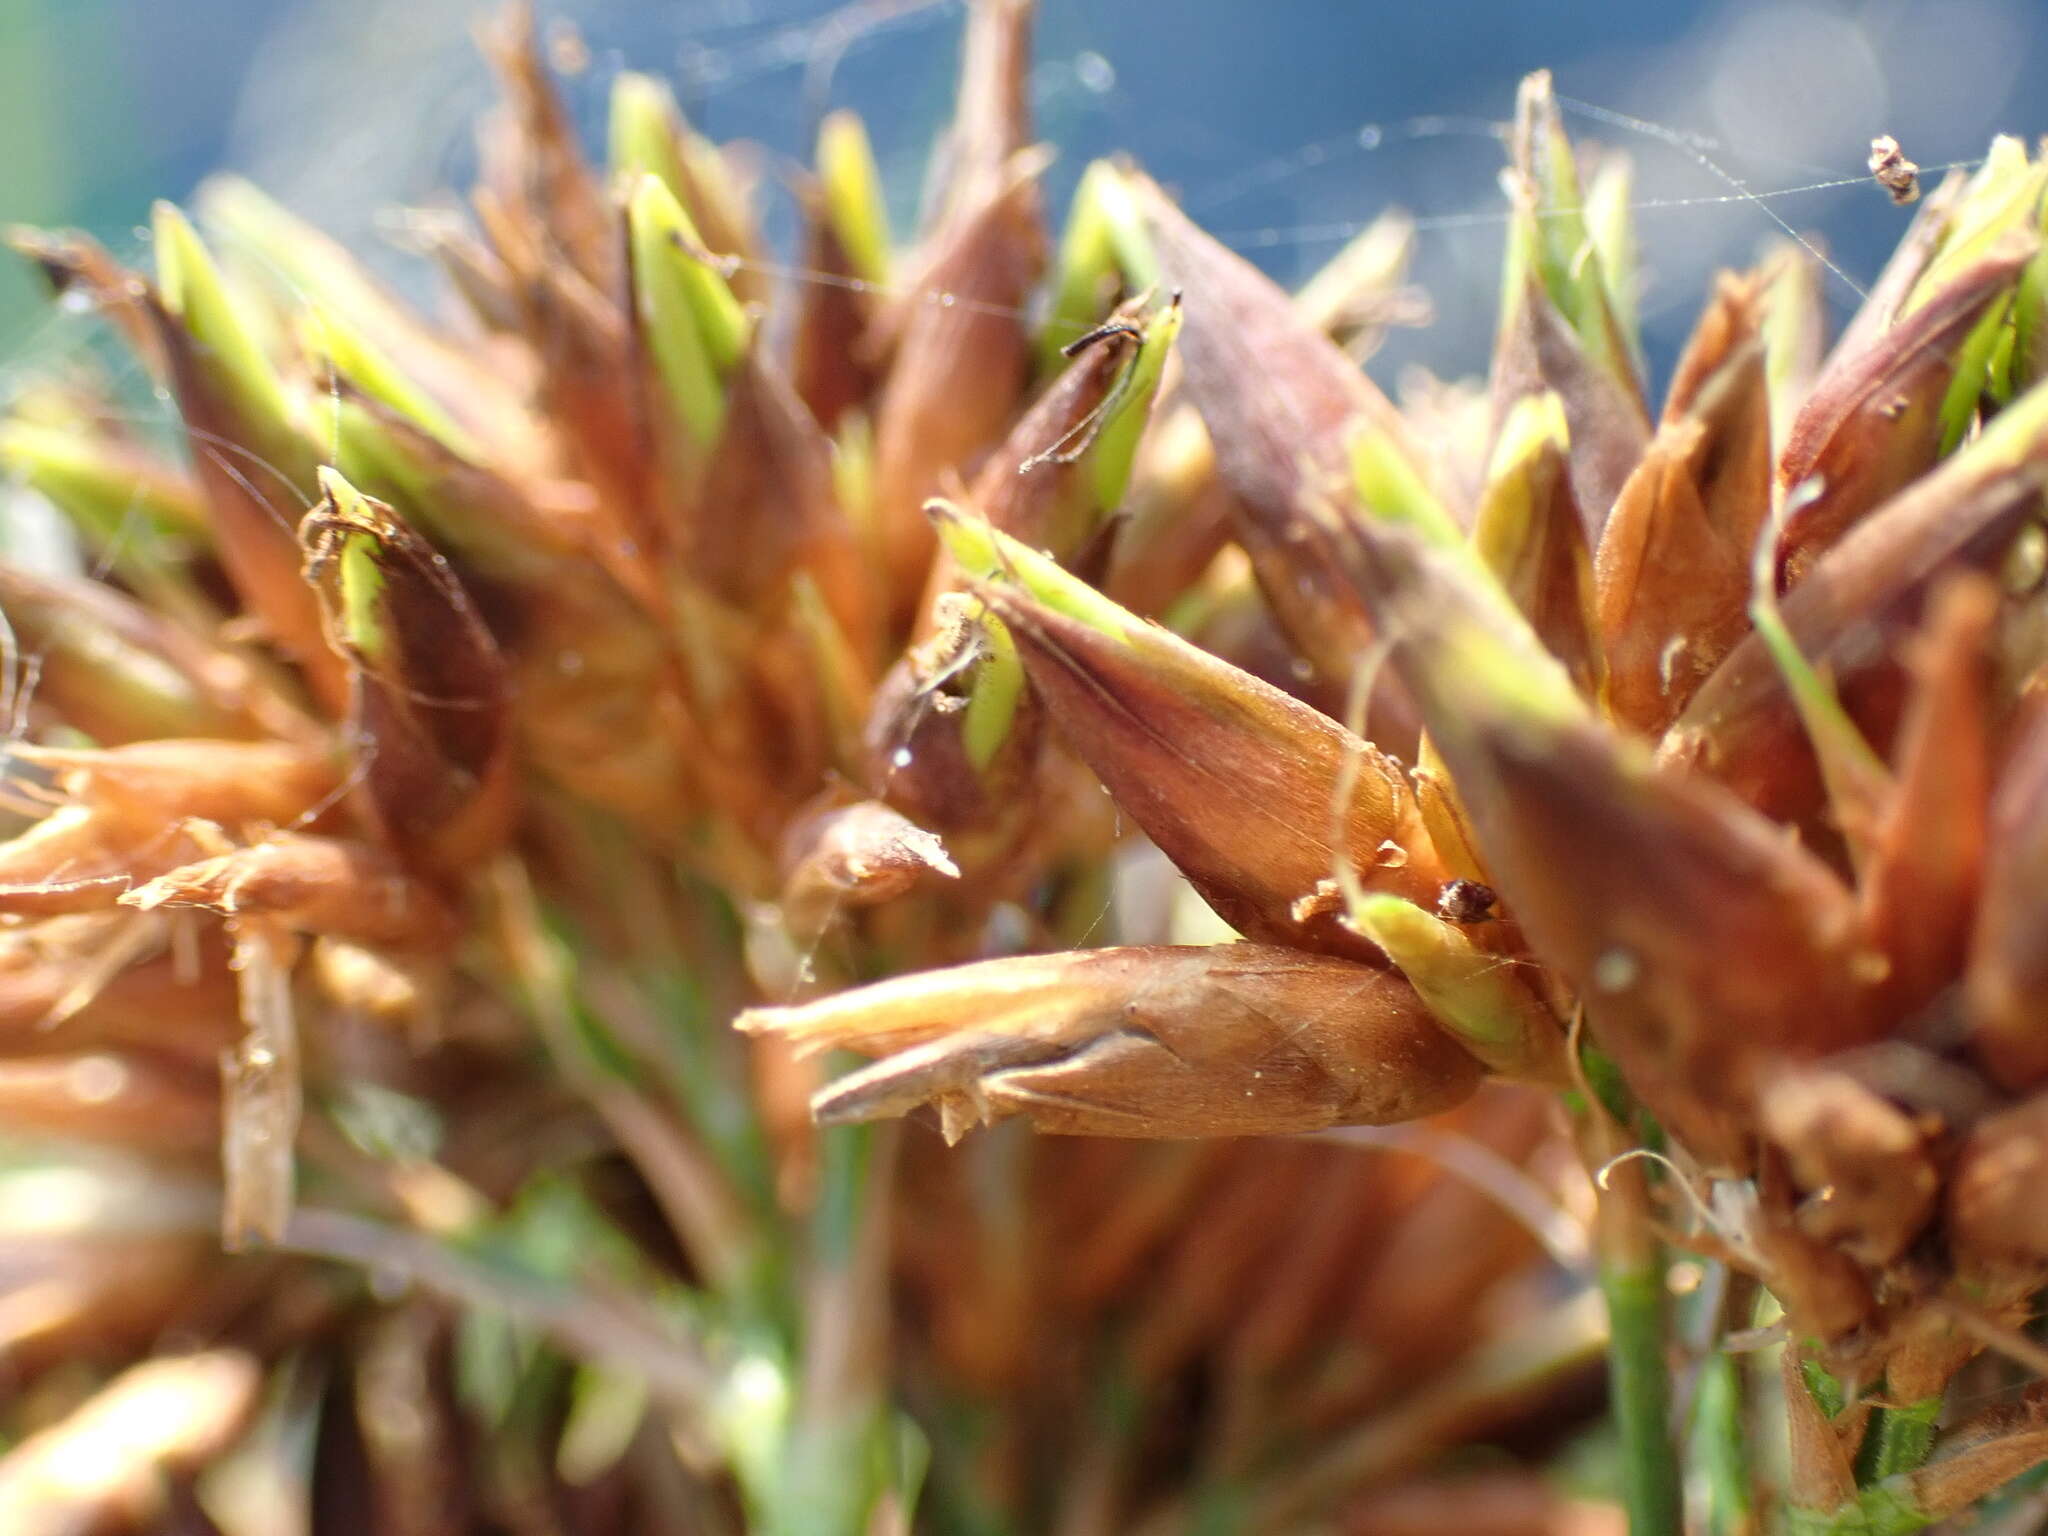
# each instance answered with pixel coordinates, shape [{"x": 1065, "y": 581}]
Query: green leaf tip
[
  {"x": 1115, "y": 447},
  {"x": 643, "y": 130},
  {"x": 988, "y": 554},
  {"x": 194, "y": 291},
  {"x": 853, "y": 195},
  {"x": 359, "y": 577},
  {"x": 695, "y": 327},
  {"x": 1391, "y": 488},
  {"x": 1474, "y": 993},
  {"x": 1104, "y": 249}
]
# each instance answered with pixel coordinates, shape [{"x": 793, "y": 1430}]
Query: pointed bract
[
  {"x": 2007, "y": 978},
  {"x": 1920, "y": 884},
  {"x": 1528, "y": 533},
  {"x": 1635, "y": 884},
  {"x": 1672, "y": 572}
]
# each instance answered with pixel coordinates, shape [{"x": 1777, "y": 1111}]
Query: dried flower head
[{"x": 1055, "y": 671}]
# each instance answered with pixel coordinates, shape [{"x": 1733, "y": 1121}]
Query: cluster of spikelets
[{"x": 482, "y": 715}]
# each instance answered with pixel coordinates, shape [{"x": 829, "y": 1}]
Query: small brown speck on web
[
  {"x": 1899, "y": 176},
  {"x": 568, "y": 53}
]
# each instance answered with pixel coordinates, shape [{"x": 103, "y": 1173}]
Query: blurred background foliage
[{"x": 349, "y": 108}]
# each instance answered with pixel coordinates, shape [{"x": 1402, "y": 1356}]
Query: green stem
[
  {"x": 1873, "y": 1512},
  {"x": 1631, "y": 1268},
  {"x": 1719, "y": 1445},
  {"x": 1639, "y": 1390},
  {"x": 1898, "y": 1440}
]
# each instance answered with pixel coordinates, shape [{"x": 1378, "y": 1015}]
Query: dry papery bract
[{"x": 1416, "y": 948}]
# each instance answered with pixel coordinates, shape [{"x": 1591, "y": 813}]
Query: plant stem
[
  {"x": 1898, "y": 1440},
  {"x": 1639, "y": 1377},
  {"x": 1718, "y": 1444},
  {"x": 1639, "y": 1384}
]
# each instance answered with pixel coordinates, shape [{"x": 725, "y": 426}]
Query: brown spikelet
[
  {"x": 1222, "y": 1041},
  {"x": 961, "y": 359},
  {"x": 1873, "y": 422},
  {"x": 1238, "y": 783},
  {"x": 430, "y": 702},
  {"x": 1672, "y": 568},
  {"x": 1282, "y": 403}
]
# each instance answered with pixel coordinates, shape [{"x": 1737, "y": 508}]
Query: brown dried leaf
[
  {"x": 582, "y": 345},
  {"x": 530, "y": 151},
  {"x": 1863, "y": 1163},
  {"x": 56, "y": 995},
  {"x": 1995, "y": 1216},
  {"x": 850, "y": 856},
  {"x": 311, "y": 885},
  {"x": 80, "y": 860},
  {"x": 992, "y": 110},
  {"x": 2006, "y": 982},
  {"x": 152, "y": 784},
  {"x": 1919, "y": 885}
]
